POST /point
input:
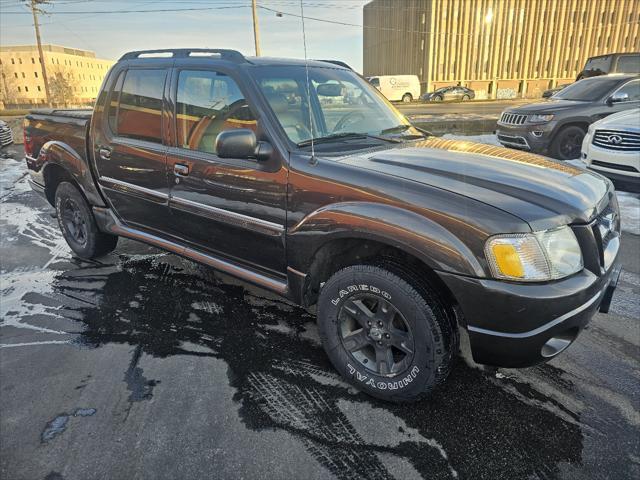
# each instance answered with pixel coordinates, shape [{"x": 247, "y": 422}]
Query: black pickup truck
[{"x": 301, "y": 178}]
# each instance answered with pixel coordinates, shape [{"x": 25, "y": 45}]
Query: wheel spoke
[
  {"x": 359, "y": 311},
  {"x": 384, "y": 360},
  {"x": 402, "y": 341},
  {"x": 385, "y": 312},
  {"x": 357, "y": 340}
]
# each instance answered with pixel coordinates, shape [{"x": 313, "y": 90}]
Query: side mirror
[
  {"x": 242, "y": 143},
  {"x": 618, "y": 97}
]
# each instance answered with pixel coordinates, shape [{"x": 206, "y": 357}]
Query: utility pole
[
  {"x": 256, "y": 28},
  {"x": 34, "y": 12}
]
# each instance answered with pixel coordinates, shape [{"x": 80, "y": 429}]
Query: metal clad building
[{"x": 500, "y": 48}]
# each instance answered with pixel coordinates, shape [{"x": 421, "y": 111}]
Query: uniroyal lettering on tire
[{"x": 386, "y": 333}]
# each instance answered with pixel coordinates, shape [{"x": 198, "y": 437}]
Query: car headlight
[
  {"x": 534, "y": 257},
  {"x": 540, "y": 118}
]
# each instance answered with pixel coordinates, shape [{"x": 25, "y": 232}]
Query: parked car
[
  {"x": 611, "y": 63},
  {"x": 399, "y": 238},
  {"x": 6, "y": 135},
  {"x": 454, "y": 93},
  {"x": 396, "y": 88},
  {"x": 612, "y": 148},
  {"x": 552, "y": 91},
  {"x": 557, "y": 126}
]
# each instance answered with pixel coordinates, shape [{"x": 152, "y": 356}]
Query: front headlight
[
  {"x": 534, "y": 257},
  {"x": 540, "y": 118}
]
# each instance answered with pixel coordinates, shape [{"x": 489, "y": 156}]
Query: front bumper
[
  {"x": 519, "y": 325},
  {"x": 534, "y": 138}
]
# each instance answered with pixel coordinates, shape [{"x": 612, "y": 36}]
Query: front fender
[
  {"x": 58, "y": 154},
  {"x": 415, "y": 234}
]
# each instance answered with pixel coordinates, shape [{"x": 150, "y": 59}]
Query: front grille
[
  {"x": 513, "y": 119},
  {"x": 617, "y": 140},
  {"x": 614, "y": 166}
]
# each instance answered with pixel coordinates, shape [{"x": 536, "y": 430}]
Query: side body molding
[
  {"x": 62, "y": 155},
  {"x": 411, "y": 232}
]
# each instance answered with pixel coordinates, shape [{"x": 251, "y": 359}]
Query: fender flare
[
  {"x": 415, "y": 234},
  {"x": 62, "y": 155}
]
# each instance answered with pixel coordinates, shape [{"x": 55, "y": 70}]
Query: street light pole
[
  {"x": 256, "y": 28},
  {"x": 34, "y": 12}
]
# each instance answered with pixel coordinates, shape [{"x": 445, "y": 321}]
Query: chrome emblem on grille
[{"x": 614, "y": 139}]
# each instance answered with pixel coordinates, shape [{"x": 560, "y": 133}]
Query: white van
[{"x": 397, "y": 87}]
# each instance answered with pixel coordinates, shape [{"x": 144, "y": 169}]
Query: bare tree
[
  {"x": 8, "y": 87},
  {"x": 62, "y": 86}
]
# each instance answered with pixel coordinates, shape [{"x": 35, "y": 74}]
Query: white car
[
  {"x": 612, "y": 147},
  {"x": 6, "y": 136}
]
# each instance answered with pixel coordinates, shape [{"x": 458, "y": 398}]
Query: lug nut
[
  {"x": 379, "y": 342},
  {"x": 369, "y": 323},
  {"x": 379, "y": 324},
  {"x": 386, "y": 335}
]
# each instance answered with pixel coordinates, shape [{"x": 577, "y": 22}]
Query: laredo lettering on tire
[{"x": 385, "y": 336}]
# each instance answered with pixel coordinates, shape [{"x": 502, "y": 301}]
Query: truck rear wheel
[
  {"x": 386, "y": 336},
  {"x": 78, "y": 225}
]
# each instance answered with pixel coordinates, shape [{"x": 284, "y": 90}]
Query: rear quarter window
[
  {"x": 628, "y": 64},
  {"x": 139, "y": 114}
]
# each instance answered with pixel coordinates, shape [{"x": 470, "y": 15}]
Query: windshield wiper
[{"x": 342, "y": 136}]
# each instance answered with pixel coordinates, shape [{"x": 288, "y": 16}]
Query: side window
[
  {"x": 140, "y": 109},
  {"x": 629, "y": 64},
  {"x": 208, "y": 103},
  {"x": 112, "y": 105},
  {"x": 632, "y": 89}
]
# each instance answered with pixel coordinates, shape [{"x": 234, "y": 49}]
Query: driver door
[{"x": 234, "y": 208}]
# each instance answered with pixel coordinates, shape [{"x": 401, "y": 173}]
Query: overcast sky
[{"x": 227, "y": 24}]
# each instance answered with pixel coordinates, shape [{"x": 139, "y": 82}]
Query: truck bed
[{"x": 69, "y": 126}]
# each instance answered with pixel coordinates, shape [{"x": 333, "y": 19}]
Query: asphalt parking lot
[{"x": 146, "y": 365}]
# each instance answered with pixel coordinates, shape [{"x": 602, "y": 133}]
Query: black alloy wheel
[
  {"x": 568, "y": 143},
  {"x": 376, "y": 335},
  {"x": 73, "y": 221}
]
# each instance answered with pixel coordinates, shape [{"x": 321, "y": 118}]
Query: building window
[
  {"x": 26, "y": 89},
  {"x": 33, "y": 60},
  {"x": 422, "y": 44},
  {"x": 424, "y": 18},
  {"x": 23, "y": 75},
  {"x": 20, "y": 61},
  {"x": 16, "y": 74},
  {"x": 36, "y": 74},
  {"x": 39, "y": 89},
  {"x": 19, "y": 89},
  {"x": 13, "y": 62}
]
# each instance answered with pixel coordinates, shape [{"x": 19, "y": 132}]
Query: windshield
[
  {"x": 341, "y": 103},
  {"x": 588, "y": 89}
]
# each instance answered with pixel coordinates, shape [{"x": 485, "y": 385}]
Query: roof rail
[{"x": 225, "y": 54}]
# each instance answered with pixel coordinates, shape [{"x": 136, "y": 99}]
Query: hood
[
  {"x": 627, "y": 120},
  {"x": 551, "y": 105},
  {"x": 540, "y": 191}
]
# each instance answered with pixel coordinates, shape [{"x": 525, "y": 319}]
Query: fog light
[{"x": 537, "y": 133}]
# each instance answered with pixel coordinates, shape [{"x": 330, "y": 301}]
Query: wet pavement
[{"x": 146, "y": 365}]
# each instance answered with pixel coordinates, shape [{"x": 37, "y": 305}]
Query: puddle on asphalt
[{"x": 283, "y": 380}]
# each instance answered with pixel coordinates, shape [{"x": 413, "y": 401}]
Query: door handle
[
  {"x": 180, "y": 169},
  {"x": 104, "y": 152}
]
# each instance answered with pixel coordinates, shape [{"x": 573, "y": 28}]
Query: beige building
[
  {"x": 74, "y": 75},
  {"x": 500, "y": 48}
]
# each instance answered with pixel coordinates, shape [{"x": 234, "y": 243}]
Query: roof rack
[{"x": 225, "y": 54}]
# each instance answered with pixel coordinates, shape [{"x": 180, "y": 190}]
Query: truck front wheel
[
  {"x": 386, "y": 336},
  {"x": 78, "y": 225}
]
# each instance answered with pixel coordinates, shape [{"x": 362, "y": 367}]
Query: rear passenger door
[
  {"x": 232, "y": 207},
  {"x": 129, "y": 150}
]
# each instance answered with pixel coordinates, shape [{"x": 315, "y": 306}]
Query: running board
[{"x": 109, "y": 223}]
